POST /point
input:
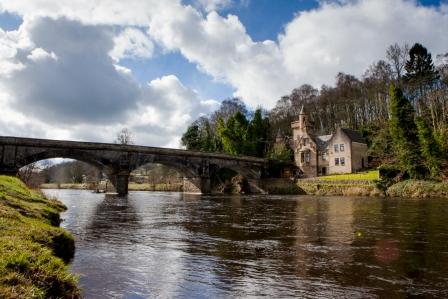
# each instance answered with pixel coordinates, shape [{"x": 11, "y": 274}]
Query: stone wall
[
  {"x": 339, "y": 139},
  {"x": 359, "y": 154}
]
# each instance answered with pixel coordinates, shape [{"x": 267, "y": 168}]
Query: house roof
[
  {"x": 322, "y": 141},
  {"x": 353, "y": 135}
]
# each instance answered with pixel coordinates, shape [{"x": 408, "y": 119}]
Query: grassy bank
[
  {"x": 370, "y": 175},
  {"x": 338, "y": 189},
  {"x": 33, "y": 249},
  {"x": 418, "y": 189}
]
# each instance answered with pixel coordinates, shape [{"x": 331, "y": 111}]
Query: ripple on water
[{"x": 163, "y": 245}]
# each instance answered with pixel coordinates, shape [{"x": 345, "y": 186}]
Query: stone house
[{"x": 345, "y": 151}]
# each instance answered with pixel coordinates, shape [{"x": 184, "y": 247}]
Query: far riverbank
[{"x": 317, "y": 186}]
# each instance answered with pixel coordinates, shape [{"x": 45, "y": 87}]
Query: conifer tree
[
  {"x": 420, "y": 72},
  {"x": 430, "y": 149},
  {"x": 404, "y": 133}
]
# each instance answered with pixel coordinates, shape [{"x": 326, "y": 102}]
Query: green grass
[
  {"x": 370, "y": 175},
  {"x": 419, "y": 189},
  {"x": 33, "y": 249}
]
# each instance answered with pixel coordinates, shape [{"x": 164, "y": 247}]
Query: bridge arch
[{"x": 89, "y": 158}]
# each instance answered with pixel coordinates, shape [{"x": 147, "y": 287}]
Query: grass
[
  {"x": 418, "y": 189},
  {"x": 370, "y": 175},
  {"x": 33, "y": 249}
]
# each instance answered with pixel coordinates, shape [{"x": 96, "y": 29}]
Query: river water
[{"x": 165, "y": 245}]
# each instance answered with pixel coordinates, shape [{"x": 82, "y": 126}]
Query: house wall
[
  {"x": 323, "y": 164},
  {"x": 300, "y": 134},
  {"x": 339, "y": 138},
  {"x": 309, "y": 169},
  {"x": 359, "y": 152}
]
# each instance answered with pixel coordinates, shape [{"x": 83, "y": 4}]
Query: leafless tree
[
  {"x": 397, "y": 56},
  {"x": 26, "y": 173},
  {"x": 124, "y": 137}
]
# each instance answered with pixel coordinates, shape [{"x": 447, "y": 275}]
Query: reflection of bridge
[{"x": 117, "y": 161}]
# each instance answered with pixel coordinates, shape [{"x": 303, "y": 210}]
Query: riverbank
[
  {"x": 34, "y": 250},
  {"x": 174, "y": 187},
  {"x": 407, "y": 189}
]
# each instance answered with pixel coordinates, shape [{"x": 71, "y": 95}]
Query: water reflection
[{"x": 175, "y": 245}]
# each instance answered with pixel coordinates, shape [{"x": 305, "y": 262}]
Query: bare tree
[
  {"x": 397, "y": 56},
  {"x": 26, "y": 173},
  {"x": 124, "y": 137}
]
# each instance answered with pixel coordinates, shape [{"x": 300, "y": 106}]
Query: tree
[
  {"x": 430, "y": 149},
  {"x": 280, "y": 151},
  {"x": 257, "y": 135},
  {"x": 404, "y": 133},
  {"x": 233, "y": 134},
  {"x": 74, "y": 171},
  {"x": 397, "y": 56},
  {"x": 228, "y": 109},
  {"x": 124, "y": 137},
  {"x": 191, "y": 139},
  {"x": 420, "y": 73}
]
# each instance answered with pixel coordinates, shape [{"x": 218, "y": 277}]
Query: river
[{"x": 165, "y": 245}]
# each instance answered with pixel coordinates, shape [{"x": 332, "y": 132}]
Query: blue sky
[{"x": 155, "y": 66}]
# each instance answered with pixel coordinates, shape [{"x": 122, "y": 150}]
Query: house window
[
  {"x": 336, "y": 161},
  {"x": 342, "y": 161},
  {"x": 307, "y": 157},
  {"x": 324, "y": 156},
  {"x": 302, "y": 157},
  {"x": 336, "y": 148},
  {"x": 341, "y": 147}
]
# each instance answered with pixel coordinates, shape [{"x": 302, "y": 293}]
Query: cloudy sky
[{"x": 84, "y": 69}]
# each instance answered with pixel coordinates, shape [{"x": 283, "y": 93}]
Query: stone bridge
[{"x": 117, "y": 161}]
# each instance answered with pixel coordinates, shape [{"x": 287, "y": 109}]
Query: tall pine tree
[
  {"x": 420, "y": 73},
  {"x": 430, "y": 148},
  {"x": 404, "y": 133}
]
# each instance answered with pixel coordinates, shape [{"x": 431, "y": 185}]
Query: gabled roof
[
  {"x": 353, "y": 135},
  {"x": 322, "y": 141}
]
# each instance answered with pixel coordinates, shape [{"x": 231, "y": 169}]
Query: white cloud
[
  {"x": 319, "y": 43},
  {"x": 38, "y": 54},
  {"x": 338, "y": 36},
  {"x": 65, "y": 92},
  {"x": 132, "y": 43}
]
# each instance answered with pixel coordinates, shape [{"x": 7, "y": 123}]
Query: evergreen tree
[
  {"x": 429, "y": 147},
  {"x": 420, "y": 71},
  {"x": 404, "y": 133},
  {"x": 191, "y": 139},
  {"x": 233, "y": 134},
  {"x": 257, "y": 135}
]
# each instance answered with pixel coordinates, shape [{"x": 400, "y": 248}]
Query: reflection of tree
[{"x": 115, "y": 219}]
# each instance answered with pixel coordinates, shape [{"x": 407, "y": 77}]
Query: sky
[{"x": 85, "y": 69}]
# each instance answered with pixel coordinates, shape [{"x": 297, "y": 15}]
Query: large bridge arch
[{"x": 79, "y": 155}]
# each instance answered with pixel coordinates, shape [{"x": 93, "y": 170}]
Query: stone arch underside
[
  {"x": 196, "y": 178},
  {"x": 35, "y": 156}
]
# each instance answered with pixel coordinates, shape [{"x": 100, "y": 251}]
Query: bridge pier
[
  {"x": 197, "y": 185},
  {"x": 121, "y": 182}
]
